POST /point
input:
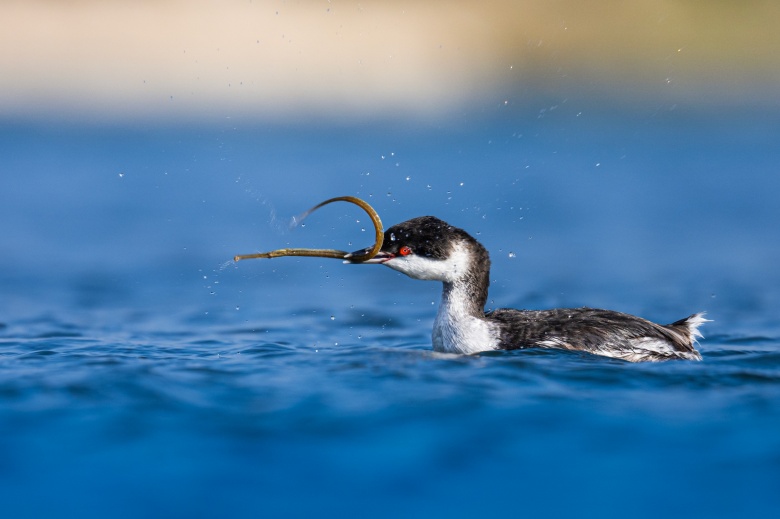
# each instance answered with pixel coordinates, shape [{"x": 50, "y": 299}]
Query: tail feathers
[{"x": 691, "y": 324}]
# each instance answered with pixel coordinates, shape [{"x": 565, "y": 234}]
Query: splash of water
[{"x": 279, "y": 225}]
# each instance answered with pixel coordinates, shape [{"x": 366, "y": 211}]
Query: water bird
[{"x": 428, "y": 248}]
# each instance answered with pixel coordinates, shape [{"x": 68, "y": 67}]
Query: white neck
[{"x": 460, "y": 326}]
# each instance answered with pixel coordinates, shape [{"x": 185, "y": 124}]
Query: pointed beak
[{"x": 381, "y": 257}]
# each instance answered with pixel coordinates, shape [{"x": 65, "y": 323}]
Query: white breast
[{"x": 456, "y": 331}]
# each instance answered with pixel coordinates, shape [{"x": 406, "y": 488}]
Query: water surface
[{"x": 144, "y": 374}]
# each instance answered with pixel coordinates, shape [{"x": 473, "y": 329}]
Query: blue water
[{"x": 143, "y": 374}]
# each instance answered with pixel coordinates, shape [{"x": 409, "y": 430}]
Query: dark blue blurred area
[
  {"x": 583, "y": 200},
  {"x": 143, "y": 373}
]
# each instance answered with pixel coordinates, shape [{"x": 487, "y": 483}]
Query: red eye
[{"x": 404, "y": 251}]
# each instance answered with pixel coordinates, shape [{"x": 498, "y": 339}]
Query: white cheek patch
[{"x": 419, "y": 267}]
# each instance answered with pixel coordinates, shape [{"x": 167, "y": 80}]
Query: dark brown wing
[{"x": 602, "y": 332}]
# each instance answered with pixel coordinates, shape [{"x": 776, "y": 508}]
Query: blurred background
[
  {"x": 634, "y": 142},
  {"x": 627, "y": 143},
  {"x": 294, "y": 61}
]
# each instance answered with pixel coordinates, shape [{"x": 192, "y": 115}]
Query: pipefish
[{"x": 330, "y": 253}]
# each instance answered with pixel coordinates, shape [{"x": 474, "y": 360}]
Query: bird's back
[{"x": 602, "y": 332}]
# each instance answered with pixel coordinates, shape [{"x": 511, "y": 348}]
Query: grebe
[{"x": 431, "y": 249}]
